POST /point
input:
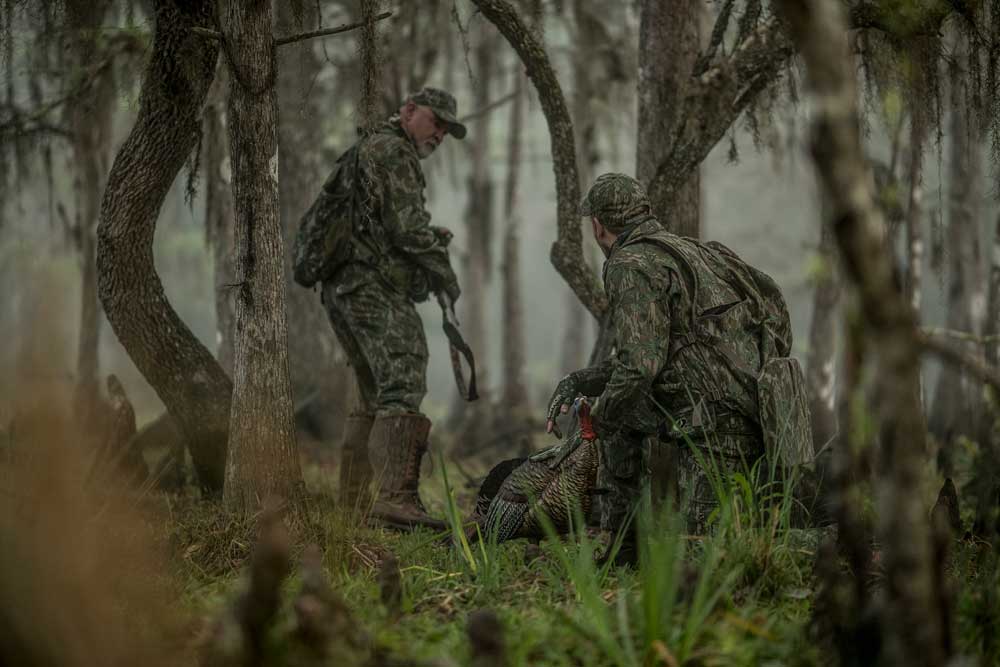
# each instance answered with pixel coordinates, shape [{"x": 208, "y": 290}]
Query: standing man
[
  {"x": 392, "y": 259},
  {"x": 693, "y": 327}
]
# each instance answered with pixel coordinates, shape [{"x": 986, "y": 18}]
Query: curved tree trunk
[
  {"x": 567, "y": 251},
  {"x": 668, "y": 49},
  {"x": 183, "y": 373},
  {"x": 912, "y": 618},
  {"x": 263, "y": 460}
]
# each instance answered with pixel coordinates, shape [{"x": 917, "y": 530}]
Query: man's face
[
  {"x": 423, "y": 127},
  {"x": 604, "y": 238}
]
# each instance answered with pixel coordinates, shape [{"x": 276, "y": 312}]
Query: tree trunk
[
  {"x": 669, "y": 46},
  {"x": 183, "y": 373},
  {"x": 477, "y": 263},
  {"x": 987, "y": 478},
  {"x": 821, "y": 364},
  {"x": 315, "y": 365},
  {"x": 953, "y": 412},
  {"x": 219, "y": 232},
  {"x": 515, "y": 395},
  {"x": 90, "y": 138},
  {"x": 914, "y": 234},
  {"x": 911, "y": 615},
  {"x": 263, "y": 460}
]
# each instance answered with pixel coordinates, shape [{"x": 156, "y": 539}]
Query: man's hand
[
  {"x": 442, "y": 234},
  {"x": 562, "y": 398}
]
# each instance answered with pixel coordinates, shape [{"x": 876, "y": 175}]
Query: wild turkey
[{"x": 553, "y": 482}]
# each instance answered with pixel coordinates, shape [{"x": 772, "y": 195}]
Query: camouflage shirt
[
  {"x": 659, "y": 367},
  {"x": 394, "y": 240}
]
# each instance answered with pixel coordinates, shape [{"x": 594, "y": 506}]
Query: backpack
[
  {"x": 779, "y": 402},
  {"x": 323, "y": 242}
]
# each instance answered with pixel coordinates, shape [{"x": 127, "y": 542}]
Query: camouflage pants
[
  {"x": 701, "y": 467},
  {"x": 383, "y": 336},
  {"x": 625, "y": 472}
]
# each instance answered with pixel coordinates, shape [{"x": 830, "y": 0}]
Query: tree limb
[
  {"x": 716, "y": 98},
  {"x": 963, "y": 360},
  {"x": 567, "y": 251},
  {"x": 291, "y": 39}
]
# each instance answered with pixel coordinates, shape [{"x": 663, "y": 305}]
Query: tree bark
[
  {"x": 315, "y": 365},
  {"x": 953, "y": 413},
  {"x": 669, "y": 46},
  {"x": 911, "y": 617},
  {"x": 183, "y": 373},
  {"x": 263, "y": 460},
  {"x": 821, "y": 365},
  {"x": 219, "y": 231}
]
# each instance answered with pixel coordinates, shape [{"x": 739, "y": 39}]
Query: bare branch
[
  {"x": 963, "y": 360},
  {"x": 291, "y": 39},
  {"x": 495, "y": 104},
  {"x": 716, "y": 99}
]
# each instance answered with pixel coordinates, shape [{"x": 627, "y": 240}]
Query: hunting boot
[
  {"x": 396, "y": 446},
  {"x": 355, "y": 469}
]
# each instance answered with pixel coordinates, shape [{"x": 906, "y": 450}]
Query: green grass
[{"x": 741, "y": 596}]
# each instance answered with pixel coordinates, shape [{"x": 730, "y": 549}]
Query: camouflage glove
[
  {"x": 452, "y": 291},
  {"x": 585, "y": 382},
  {"x": 562, "y": 398}
]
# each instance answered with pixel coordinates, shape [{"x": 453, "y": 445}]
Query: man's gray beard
[{"x": 424, "y": 150}]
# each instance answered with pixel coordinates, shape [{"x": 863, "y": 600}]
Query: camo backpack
[
  {"x": 779, "y": 402},
  {"x": 323, "y": 242}
]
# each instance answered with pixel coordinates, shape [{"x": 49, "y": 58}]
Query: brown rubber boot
[
  {"x": 396, "y": 445},
  {"x": 355, "y": 469}
]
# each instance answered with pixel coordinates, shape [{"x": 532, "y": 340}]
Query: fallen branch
[{"x": 937, "y": 332}]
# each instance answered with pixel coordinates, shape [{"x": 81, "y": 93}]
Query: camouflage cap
[
  {"x": 442, "y": 103},
  {"x": 615, "y": 200}
]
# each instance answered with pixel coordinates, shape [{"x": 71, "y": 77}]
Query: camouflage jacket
[
  {"x": 393, "y": 239},
  {"x": 675, "y": 317}
]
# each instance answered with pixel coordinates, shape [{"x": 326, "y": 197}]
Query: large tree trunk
[
  {"x": 219, "y": 231},
  {"x": 953, "y": 413},
  {"x": 316, "y": 368},
  {"x": 263, "y": 460},
  {"x": 183, "y": 373},
  {"x": 911, "y": 615},
  {"x": 821, "y": 364},
  {"x": 669, "y": 46}
]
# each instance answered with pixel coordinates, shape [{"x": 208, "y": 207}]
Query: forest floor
[
  {"x": 88, "y": 579},
  {"x": 744, "y": 595}
]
